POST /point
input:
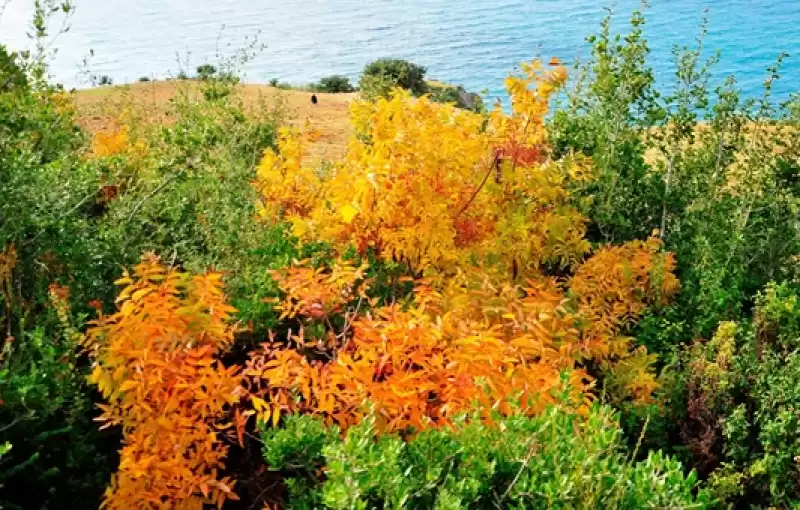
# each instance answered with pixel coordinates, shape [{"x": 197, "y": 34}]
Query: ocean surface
[{"x": 474, "y": 43}]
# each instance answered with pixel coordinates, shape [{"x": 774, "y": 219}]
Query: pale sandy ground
[{"x": 98, "y": 108}]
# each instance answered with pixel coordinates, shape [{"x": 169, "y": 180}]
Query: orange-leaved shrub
[
  {"x": 156, "y": 363},
  {"x": 471, "y": 341}
]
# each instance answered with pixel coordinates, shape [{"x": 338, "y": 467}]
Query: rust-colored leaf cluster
[{"x": 8, "y": 261}]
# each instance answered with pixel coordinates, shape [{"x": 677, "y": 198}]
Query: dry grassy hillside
[{"x": 100, "y": 107}]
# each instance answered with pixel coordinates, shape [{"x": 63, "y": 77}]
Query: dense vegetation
[{"x": 589, "y": 299}]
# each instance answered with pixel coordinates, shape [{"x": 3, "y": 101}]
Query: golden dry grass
[{"x": 99, "y": 108}]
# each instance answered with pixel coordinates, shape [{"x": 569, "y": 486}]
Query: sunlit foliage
[
  {"x": 434, "y": 187},
  {"x": 155, "y": 364},
  {"x": 468, "y": 342},
  {"x": 482, "y": 218}
]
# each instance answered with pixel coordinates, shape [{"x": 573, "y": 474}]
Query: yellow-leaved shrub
[
  {"x": 510, "y": 297},
  {"x": 435, "y": 186}
]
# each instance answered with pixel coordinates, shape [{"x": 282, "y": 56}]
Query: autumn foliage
[
  {"x": 509, "y": 296},
  {"x": 511, "y": 305},
  {"x": 500, "y": 346},
  {"x": 156, "y": 365},
  {"x": 470, "y": 306},
  {"x": 435, "y": 187}
]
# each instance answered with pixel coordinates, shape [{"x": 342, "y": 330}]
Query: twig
[
  {"x": 531, "y": 451},
  {"x": 155, "y": 192},
  {"x": 65, "y": 214},
  {"x": 494, "y": 164},
  {"x": 621, "y": 486},
  {"x": 670, "y": 168},
  {"x": 13, "y": 423},
  {"x": 347, "y": 321}
]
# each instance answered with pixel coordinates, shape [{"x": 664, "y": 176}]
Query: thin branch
[
  {"x": 532, "y": 449},
  {"x": 156, "y": 191},
  {"x": 13, "y": 423},
  {"x": 493, "y": 166},
  {"x": 670, "y": 168},
  {"x": 65, "y": 214}
]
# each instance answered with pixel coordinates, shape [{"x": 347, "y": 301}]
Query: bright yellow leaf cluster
[
  {"x": 155, "y": 362},
  {"x": 117, "y": 141},
  {"x": 434, "y": 186}
]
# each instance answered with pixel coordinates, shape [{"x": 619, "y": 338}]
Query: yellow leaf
[
  {"x": 259, "y": 404},
  {"x": 348, "y": 212},
  {"x": 276, "y": 417},
  {"x": 128, "y": 385},
  {"x": 139, "y": 294}
]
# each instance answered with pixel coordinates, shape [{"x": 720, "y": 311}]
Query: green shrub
[
  {"x": 206, "y": 71},
  {"x": 298, "y": 444},
  {"x": 716, "y": 177},
  {"x": 611, "y": 105},
  {"x": 12, "y": 75},
  {"x": 674, "y": 164},
  {"x": 334, "y": 84},
  {"x": 444, "y": 94},
  {"x": 58, "y": 460},
  {"x": 743, "y": 417},
  {"x": 556, "y": 460},
  {"x": 382, "y": 75},
  {"x": 373, "y": 87}
]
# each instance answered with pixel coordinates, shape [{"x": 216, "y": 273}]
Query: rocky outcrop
[{"x": 469, "y": 100}]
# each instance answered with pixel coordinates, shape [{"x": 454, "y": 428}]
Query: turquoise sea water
[{"x": 474, "y": 43}]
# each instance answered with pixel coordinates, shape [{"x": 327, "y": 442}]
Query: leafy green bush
[
  {"x": 444, "y": 94},
  {"x": 11, "y": 73},
  {"x": 334, "y": 84},
  {"x": 611, "y": 105},
  {"x": 675, "y": 164},
  {"x": 58, "y": 460},
  {"x": 556, "y": 460},
  {"x": 373, "y": 87},
  {"x": 744, "y": 409},
  {"x": 716, "y": 177},
  {"x": 380, "y": 76},
  {"x": 206, "y": 71}
]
